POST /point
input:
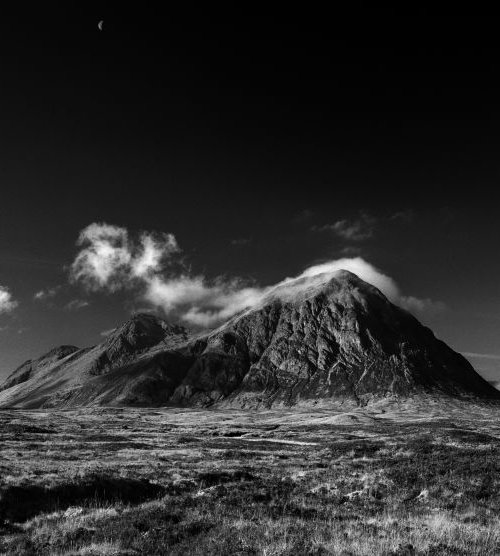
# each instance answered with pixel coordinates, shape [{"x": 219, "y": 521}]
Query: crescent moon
[{"x": 100, "y": 24}]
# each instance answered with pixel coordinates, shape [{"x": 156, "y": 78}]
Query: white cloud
[
  {"x": 7, "y": 302},
  {"x": 198, "y": 301},
  {"x": 110, "y": 259},
  {"x": 45, "y": 294},
  {"x": 204, "y": 303},
  {"x": 151, "y": 253},
  {"x": 103, "y": 257},
  {"x": 426, "y": 306},
  {"x": 76, "y": 304},
  {"x": 358, "y": 229},
  {"x": 358, "y": 266}
]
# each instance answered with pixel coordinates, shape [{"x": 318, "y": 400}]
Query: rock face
[
  {"x": 339, "y": 340},
  {"x": 137, "y": 335}
]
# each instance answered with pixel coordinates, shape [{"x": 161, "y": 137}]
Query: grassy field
[{"x": 394, "y": 480}]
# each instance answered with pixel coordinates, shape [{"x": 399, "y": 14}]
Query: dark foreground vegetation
[{"x": 177, "y": 482}]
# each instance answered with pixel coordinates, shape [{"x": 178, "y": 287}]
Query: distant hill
[{"x": 339, "y": 340}]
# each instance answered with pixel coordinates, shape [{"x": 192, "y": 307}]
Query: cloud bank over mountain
[{"x": 149, "y": 265}]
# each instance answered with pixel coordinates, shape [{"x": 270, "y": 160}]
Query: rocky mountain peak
[
  {"x": 341, "y": 286},
  {"x": 145, "y": 330},
  {"x": 329, "y": 338},
  {"x": 140, "y": 333}
]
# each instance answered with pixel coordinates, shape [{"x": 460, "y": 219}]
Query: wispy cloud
[
  {"x": 76, "y": 304},
  {"x": 472, "y": 355},
  {"x": 357, "y": 229},
  {"x": 406, "y": 216},
  {"x": 106, "y": 333},
  {"x": 425, "y": 306},
  {"x": 241, "y": 242},
  {"x": 351, "y": 250},
  {"x": 47, "y": 293},
  {"x": 365, "y": 225},
  {"x": 110, "y": 259},
  {"x": 7, "y": 301}
]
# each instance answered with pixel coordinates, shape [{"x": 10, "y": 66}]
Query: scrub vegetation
[{"x": 126, "y": 481}]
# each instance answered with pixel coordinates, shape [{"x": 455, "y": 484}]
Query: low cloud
[
  {"x": 110, "y": 259},
  {"x": 473, "y": 355},
  {"x": 351, "y": 250},
  {"x": 199, "y": 301},
  {"x": 426, "y": 306},
  {"x": 7, "y": 302},
  {"x": 357, "y": 229},
  {"x": 356, "y": 265}
]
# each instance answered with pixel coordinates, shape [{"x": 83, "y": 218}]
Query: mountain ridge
[{"x": 333, "y": 339}]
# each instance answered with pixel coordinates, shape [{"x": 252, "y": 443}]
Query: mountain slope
[
  {"x": 341, "y": 339},
  {"x": 337, "y": 339},
  {"x": 32, "y": 368},
  {"x": 54, "y": 381}
]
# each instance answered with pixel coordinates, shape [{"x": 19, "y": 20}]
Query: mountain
[
  {"x": 56, "y": 381},
  {"x": 31, "y": 368},
  {"x": 334, "y": 339}
]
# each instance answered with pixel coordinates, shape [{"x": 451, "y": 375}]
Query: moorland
[{"x": 399, "y": 478}]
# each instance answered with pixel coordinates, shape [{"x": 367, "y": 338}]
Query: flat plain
[{"x": 419, "y": 477}]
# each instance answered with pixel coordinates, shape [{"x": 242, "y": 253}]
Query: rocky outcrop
[
  {"x": 140, "y": 333},
  {"x": 340, "y": 340}
]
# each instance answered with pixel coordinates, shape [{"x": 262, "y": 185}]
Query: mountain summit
[{"x": 335, "y": 339}]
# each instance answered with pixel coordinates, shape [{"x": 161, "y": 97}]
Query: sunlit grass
[{"x": 389, "y": 487}]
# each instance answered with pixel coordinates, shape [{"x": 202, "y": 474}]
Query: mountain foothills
[{"x": 339, "y": 340}]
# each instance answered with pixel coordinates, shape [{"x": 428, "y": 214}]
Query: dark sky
[{"x": 249, "y": 137}]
